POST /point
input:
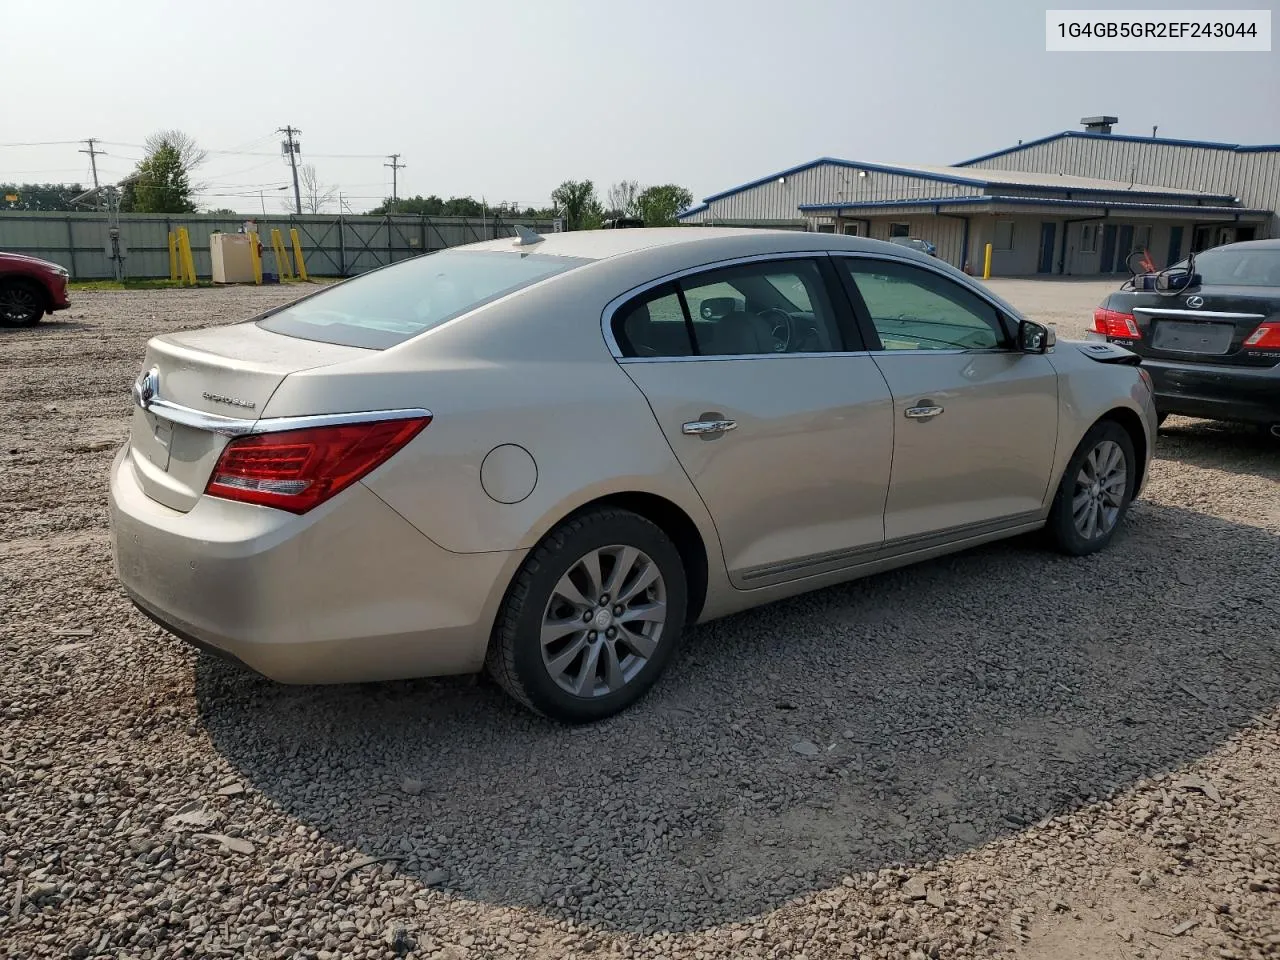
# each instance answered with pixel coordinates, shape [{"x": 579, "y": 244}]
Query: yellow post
[
  {"x": 188, "y": 261},
  {"x": 257, "y": 258},
  {"x": 986, "y": 264},
  {"x": 282, "y": 257},
  {"x": 173, "y": 258},
  {"x": 297, "y": 253}
]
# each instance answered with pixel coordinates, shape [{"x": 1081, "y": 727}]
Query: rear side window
[
  {"x": 389, "y": 306},
  {"x": 1243, "y": 268},
  {"x": 654, "y": 326}
]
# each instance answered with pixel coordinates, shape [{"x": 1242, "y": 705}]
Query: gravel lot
[{"x": 1002, "y": 752}]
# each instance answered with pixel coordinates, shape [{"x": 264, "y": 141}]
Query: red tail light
[
  {"x": 297, "y": 470},
  {"x": 1113, "y": 323},
  {"x": 1267, "y": 335}
]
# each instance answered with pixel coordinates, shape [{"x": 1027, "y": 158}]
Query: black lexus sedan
[{"x": 1208, "y": 333}]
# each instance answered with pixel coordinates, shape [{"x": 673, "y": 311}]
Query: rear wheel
[
  {"x": 592, "y": 618},
  {"x": 1095, "y": 491},
  {"x": 21, "y": 304}
]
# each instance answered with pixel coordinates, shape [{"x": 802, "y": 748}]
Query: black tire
[
  {"x": 1061, "y": 528},
  {"x": 515, "y": 657},
  {"x": 22, "y": 304}
]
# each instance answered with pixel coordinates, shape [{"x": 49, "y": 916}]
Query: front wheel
[
  {"x": 592, "y": 618},
  {"x": 21, "y": 304},
  {"x": 1095, "y": 491}
]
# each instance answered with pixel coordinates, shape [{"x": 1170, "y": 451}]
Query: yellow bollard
[
  {"x": 173, "y": 258},
  {"x": 188, "y": 261},
  {"x": 297, "y": 253},
  {"x": 257, "y": 258},
  {"x": 281, "y": 255},
  {"x": 986, "y": 264}
]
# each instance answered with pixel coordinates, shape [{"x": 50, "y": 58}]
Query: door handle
[
  {"x": 922, "y": 412},
  {"x": 700, "y": 428}
]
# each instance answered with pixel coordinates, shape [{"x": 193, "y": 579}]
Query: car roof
[{"x": 607, "y": 244}]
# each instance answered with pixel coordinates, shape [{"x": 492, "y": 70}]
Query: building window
[
  {"x": 1004, "y": 235},
  {"x": 899, "y": 229},
  {"x": 826, "y": 228},
  {"x": 851, "y": 230},
  {"x": 1089, "y": 238}
]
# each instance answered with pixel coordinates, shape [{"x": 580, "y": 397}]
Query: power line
[{"x": 41, "y": 143}]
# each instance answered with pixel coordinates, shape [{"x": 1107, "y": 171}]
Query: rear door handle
[
  {"x": 923, "y": 412},
  {"x": 701, "y": 428}
]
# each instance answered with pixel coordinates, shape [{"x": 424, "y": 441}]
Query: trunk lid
[
  {"x": 228, "y": 372},
  {"x": 1213, "y": 331}
]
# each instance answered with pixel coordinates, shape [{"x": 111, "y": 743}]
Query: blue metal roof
[
  {"x": 1031, "y": 202},
  {"x": 974, "y": 179},
  {"x": 1126, "y": 137}
]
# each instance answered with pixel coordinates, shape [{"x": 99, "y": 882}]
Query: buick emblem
[
  {"x": 146, "y": 388},
  {"x": 1195, "y": 303}
]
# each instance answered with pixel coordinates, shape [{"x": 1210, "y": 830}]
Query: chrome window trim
[
  {"x": 612, "y": 307},
  {"x": 1201, "y": 314},
  {"x": 238, "y": 427},
  {"x": 721, "y": 357}
]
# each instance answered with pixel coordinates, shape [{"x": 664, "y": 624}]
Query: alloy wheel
[
  {"x": 604, "y": 621},
  {"x": 18, "y": 305},
  {"x": 1100, "y": 489}
]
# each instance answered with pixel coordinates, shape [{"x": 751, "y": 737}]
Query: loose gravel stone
[{"x": 1005, "y": 742}]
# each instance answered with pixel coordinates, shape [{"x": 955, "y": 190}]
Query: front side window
[
  {"x": 389, "y": 306},
  {"x": 777, "y": 307},
  {"x": 916, "y": 309},
  {"x": 1004, "y": 235}
]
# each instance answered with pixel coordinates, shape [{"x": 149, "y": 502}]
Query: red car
[{"x": 30, "y": 288}]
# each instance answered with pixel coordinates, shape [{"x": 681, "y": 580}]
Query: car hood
[{"x": 21, "y": 259}]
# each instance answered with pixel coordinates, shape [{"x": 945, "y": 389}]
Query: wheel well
[
  {"x": 677, "y": 525},
  {"x": 1133, "y": 426}
]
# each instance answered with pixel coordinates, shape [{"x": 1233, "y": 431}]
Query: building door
[
  {"x": 1199, "y": 239},
  {"x": 1124, "y": 247},
  {"x": 1106, "y": 263},
  {"x": 1245, "y": 233},
  {"x": 1048, "y": 238},
  {"x": 1175, "y": 247}
]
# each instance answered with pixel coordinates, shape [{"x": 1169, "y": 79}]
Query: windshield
[
  {"x": 1241, "y": 268},
  {"x": 389, "y": 306}
]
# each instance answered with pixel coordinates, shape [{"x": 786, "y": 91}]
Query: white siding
[{"x": 1253, "y": 176}]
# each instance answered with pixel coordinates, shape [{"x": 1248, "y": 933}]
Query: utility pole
[
  {"x": 293, "y": 148},
  {"x": 395, "y": 165},
  {"x": 93, "y": 162}
]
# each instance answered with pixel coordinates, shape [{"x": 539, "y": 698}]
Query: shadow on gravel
[
  {"x": 1214, "y": 445},
  {"x": 945, "y": 705},
  {"x": 49, "y": 327}
]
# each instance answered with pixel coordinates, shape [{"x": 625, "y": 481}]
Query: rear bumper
[
  {"x": 1215, "y": 392},
  {"x": 348, "y": 593}
]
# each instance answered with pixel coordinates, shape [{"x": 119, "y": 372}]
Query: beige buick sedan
[{"x": 548, "y": 456}]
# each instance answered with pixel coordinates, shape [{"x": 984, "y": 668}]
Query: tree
[
  {"x": 577, "y": 202},
  {"x": 659, "y": 205},
  {"x": 622, "y": 199},
  {"x": 162, "y": 181},
  {"x": 40, "y": 196},
  {"x": 315, "y": 195},
  {"x": 162, "y": 185}
]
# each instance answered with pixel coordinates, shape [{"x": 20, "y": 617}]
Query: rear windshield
[
  {"x": 1244, "y": 268},
  {"x": 389, "y": 306}
]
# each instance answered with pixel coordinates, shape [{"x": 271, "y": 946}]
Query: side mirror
[{"x": 1035, "y": 337}]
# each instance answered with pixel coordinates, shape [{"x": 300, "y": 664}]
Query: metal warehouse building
[{"x": 1077, "y": 202}]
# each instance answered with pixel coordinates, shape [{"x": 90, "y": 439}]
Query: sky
[{"x": 504, "y": 100}]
